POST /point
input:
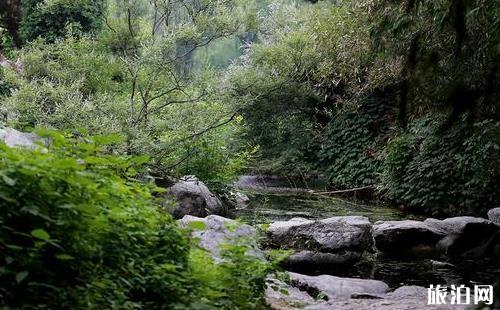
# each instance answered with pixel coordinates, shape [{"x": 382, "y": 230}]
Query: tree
[
  {"x": 51, "y": 19},
  {"x": 450, "y": 43},
  {"x": 10, "y": 14}
]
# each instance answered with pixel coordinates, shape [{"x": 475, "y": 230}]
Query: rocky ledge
[{"x": 333, "y": 293}]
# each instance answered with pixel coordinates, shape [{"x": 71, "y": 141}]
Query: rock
[
  {"x": 12, "y": 137},
  {"x": 195, "y": 199},
  {"x": 405, "y": 292},
  {"x": 214, "y": 231},
  {"x": 282, "y": 296},
  {"x": 333, "y": 293},
  {"x": 333, "y": 288},
  {"x": 456, "y": 225},
  {"x": 494, "y": 215},
  {"x": 466, "y": 236},
  {"x": 403, "y": 298},
  {"x": 242, "y": 200},
  {"x": 320, "y": 244},
  {"x": 287, "y": 297},
  {"x": 331, "y": 235},
  {"x": 305, "y": 260},
  {"x": 399, "y": 237},
  {"x": 441, "y": 265}
]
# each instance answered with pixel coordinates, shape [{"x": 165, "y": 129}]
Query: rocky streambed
[{"x": 343, "y": 255}]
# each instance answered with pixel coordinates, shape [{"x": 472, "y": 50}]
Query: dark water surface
[{"x": 272, "y": 199}]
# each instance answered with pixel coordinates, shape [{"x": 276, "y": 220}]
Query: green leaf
[
  {"x": 40, "y": 234},
  {"x": 64, "y": 257},
  {"x": 9, "y": 181},
  {"x": 21, "y": 276}
]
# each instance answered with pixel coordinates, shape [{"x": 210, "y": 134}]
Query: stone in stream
[
  {"x": 214, "y": 231},
  {"x": 195, "y": 199},
  {"x": 334, "y": 288},
  {"x": 334, "y": 293},
  {"x": 466, "y": 236},
  {"x": 329, "y": 235},
  {"x": 494, "y": 215},
  {"x": 406, "y": 237},
  {"x": 331, "y": 241}
]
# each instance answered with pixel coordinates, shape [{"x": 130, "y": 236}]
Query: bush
[
  {"x": 51, "y": 19},
  {"x": 444, "y": 172},
  {"x": 77, "y": 232},
  {"x": 5, "y": 86},
  {"x": 238, "y": 282}
]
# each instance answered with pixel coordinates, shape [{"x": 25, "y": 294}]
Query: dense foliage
[
  {"x": 77, "y": 231},
  {"x": 399, "y": 98},
  {"x": 331, "y": 84},
  {"x": 51, "y": 19},
  {"x": 444, "y": 172}
]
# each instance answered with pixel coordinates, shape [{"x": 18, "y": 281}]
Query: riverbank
[{"x": 273, "y": 200}]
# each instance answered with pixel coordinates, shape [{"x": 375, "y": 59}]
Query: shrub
[
  {"x": 238, "y": 282},
  {"x": 76, "y": 231},
  {"x": 51, "y": 19}
]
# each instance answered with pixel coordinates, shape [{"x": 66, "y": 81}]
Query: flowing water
[{"x": 274, "y": 199}]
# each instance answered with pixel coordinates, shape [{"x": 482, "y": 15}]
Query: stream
[{"x": 274, "y": 199}]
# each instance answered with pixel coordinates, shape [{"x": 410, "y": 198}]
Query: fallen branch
[{"x": 344, "y": 190}]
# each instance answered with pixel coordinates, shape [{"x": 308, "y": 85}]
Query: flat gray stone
[
  {"x": 299, "y": 296},
  {"x": 334, "y": 288},
  {"x": 340, "y": 233}
]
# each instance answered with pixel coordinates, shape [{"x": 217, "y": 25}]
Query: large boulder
[
  {"x": 195, "y": 199},
  {"x": 331, "y": 235},
  {"x": 14, "y": 138},
  {"x": 405, "y": 237},
  {"x": 333, "y": 241},
  {"x": 466, "y": 236},
  {"x": 494, "y": 215},
  {"x": 214, "y": 231}
]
